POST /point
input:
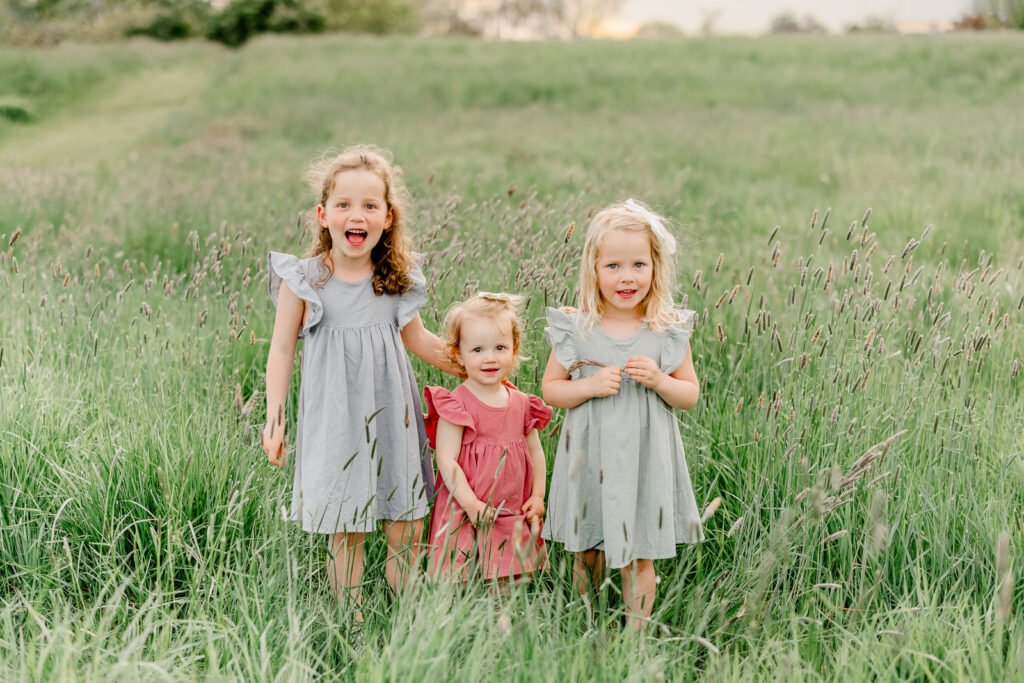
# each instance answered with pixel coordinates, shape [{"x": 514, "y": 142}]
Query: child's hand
[
  {"x": 606, "y": 381},
  {"x": 480, "y": 513},
  {"x": 275, "y": 445},
  {"x": 644, "y": 370},
  {"x": 533, "y": 510}
]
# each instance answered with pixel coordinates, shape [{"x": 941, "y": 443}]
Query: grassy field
[{"x": 862, "y": 408}]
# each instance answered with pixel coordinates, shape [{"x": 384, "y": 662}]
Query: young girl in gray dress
[
  {"x": 620, "y": 365},
  {"x": 360, "y": 441}
]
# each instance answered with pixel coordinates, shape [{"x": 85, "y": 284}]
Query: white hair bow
[{"x": 668, "y": 242}]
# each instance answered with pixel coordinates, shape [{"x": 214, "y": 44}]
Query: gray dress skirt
[
  {"x": 360, "y": 444},
  {"x": 620, "y": 482}
]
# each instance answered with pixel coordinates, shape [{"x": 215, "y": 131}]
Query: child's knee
[{"x": 403, "y": 535}]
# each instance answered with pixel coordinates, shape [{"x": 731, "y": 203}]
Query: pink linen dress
[{"x": 496, "y": 461}]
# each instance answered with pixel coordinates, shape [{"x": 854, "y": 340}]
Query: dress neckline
[
  {"x": 462, "y": 388},
  {"x": 643, "y": 326},
  {"x": 361, "y": 281}
]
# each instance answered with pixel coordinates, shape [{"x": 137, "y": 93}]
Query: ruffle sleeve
[
  {"x": 673, "y": 352},
  {"x": 410, "y": 303},
  {"x": 538, "y": 414},
  {"x": 289, "y": 269},
  {"x": 561, "y": 333},
  {"x": 441, "y": 404}
]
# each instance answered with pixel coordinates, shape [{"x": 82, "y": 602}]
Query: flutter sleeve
[
  {"x": 673, "y": 351},
  {"x": 289, "y": 269},
  {"x": 441, "y": 404},
  {"x": 410, "y": 302},
  {"x": 538, "y": 414},
  {"x": 561, "y": 333}
]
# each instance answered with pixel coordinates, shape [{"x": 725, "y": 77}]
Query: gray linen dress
[
  {"x": 360, "y": 449},
  {"x": 620, "y": 481}
]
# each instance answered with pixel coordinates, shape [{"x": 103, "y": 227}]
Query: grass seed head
[
  {"x": 710, "y": 509},
  {"x": 834, "y": 537}
]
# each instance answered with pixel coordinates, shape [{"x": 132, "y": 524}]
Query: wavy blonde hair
[
  {"x": 657, "y": 308},
  {"x": 487, "y": 306},
  {"x": 392, "y": 255}
]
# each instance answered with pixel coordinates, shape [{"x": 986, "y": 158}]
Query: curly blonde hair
[
  {"x": 487, "y": 306},
  {"x": 657, "y": 308},
  {"x": 392, "y": 255}
]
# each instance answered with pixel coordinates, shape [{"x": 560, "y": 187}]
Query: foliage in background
[
  {"x": 240, "y": 20},
  {"x": 232, "y": 23},
  {"x": 788, "y": 22},
  {"x": 1008, "y": 13},
  {"x": 518, "y": 18}
]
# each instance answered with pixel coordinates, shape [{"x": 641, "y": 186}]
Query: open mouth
[
  {"x": 626, "y": 293},
  {"x": 355, "y": 237}
]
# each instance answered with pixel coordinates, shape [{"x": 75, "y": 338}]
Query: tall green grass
[{"x": 862, "y": 396}]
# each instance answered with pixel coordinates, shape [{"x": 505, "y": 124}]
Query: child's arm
[
  {"x": 533, "y": 508},
  {"x": 679, "y": 388},
  {"x": 562, "y": 392},
  {"x": 449, "y": 443},
  {"x": 287, "y": 324},
  {"x": 428, "y": 346}
]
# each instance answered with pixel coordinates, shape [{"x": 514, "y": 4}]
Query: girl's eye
[
  {"x": 501, "y": 347},
  {"x": 613, "y": 266},
  {"x": 371, "y": 206},
  {"x": 477, "y": 349},
  {"x": 639, "y": 264},
  {"x": 342, "y": 205}
]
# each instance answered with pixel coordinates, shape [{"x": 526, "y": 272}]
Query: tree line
[{"x": 233, "y": 22}]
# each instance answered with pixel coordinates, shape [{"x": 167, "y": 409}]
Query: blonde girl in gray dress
[
  {"x": 360, "y": 451},
  {"x": 621, "y": 366}
]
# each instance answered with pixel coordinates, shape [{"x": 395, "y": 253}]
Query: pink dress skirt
[{"x": 496, "y": 461}]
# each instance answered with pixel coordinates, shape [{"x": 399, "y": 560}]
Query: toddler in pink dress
[{"x": 491, "y": 470}]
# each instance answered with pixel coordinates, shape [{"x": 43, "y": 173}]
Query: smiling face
[
  {"x": 356, "y": 213},
  {"x": 624, "y": 271},
  {"x": 486, "y": 349}
]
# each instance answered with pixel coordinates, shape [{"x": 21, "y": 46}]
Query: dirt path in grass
[{"x": 111, "y": 123}]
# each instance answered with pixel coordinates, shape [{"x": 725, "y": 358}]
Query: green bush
[
  {"x": 15, "y": 108},
  {"x": 378, "y": 16},
  {"x": 1009, "y": 13},
  {"x": 171, "y": 20},
  {"x": 242, "y": 19}
]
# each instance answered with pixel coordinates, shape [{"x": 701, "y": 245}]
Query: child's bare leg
[
  {"x": 345, "y": 568},
  {"x": 403, "y": 551},
  {"x": 588, "y": 570},
  {"x": 639, "y": 582}
]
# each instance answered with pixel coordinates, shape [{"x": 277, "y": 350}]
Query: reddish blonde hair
[
  {"x": 392, "y": 255},
  {"x": 487, "y": 306}
]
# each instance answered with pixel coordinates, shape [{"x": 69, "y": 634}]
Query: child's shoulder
[
  {"x": 685, "y": 318},
  {"x": 284, "y": 262},
  {"x": 563, "y": 316},
  {"x": 536, "y": 413}
]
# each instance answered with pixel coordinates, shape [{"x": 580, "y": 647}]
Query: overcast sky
[{"x": 754, "y": 16}]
